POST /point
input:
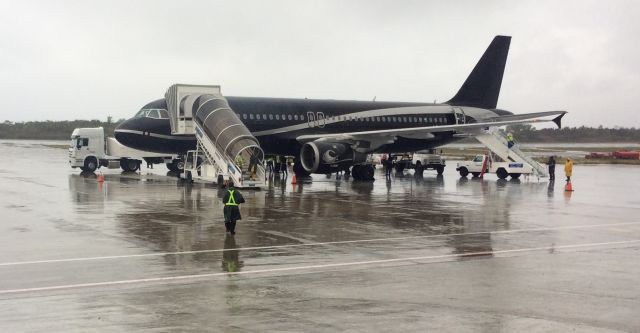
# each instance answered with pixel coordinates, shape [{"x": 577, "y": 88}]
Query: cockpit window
[{"x": 152, "y": 113}]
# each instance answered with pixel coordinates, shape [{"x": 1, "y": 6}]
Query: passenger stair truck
[
  {"x": 225, "y": 148},
  {"x": 89, "y": 150},
  {"x": 503, "y": 161}
]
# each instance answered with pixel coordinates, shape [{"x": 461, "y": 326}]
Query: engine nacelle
[{"x": 328, "y": 157}]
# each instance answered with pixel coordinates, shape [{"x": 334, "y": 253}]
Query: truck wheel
[
  {"x": 475, "y": 174},
  {"x": 128, "y": 165},
  {"x": 463, "y": 172},
  {"x": 90, "y": 164},
  {"x": 440, "y": 169},
  {"x": 515, "y": 175},
  {"x": 502, "y": 173}
]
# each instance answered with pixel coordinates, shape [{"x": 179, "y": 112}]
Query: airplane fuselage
[{"x": 278, "y": 122}]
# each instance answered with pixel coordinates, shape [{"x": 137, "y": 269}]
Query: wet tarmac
[{"x": 142, "y": 252}]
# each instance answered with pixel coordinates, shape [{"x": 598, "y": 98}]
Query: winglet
[{"x": 557, "y": 120}]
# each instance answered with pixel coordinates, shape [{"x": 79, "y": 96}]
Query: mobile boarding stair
[
  {"x": 496, "y": 141},
  {"x": 225, "y": 150}
]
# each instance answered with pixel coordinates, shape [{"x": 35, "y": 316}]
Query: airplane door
[
  {"x": 311, "y": 119},
  {"x": 459, "y": 115},
  {"x": 321, "y": 121}
]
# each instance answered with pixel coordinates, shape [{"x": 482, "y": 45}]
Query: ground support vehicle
[
  {"x": 90, "y": 150},
  {"x": 490, "y": 163},
  {"x": 419, "y": 162}
]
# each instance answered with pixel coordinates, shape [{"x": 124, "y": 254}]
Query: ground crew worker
[
  {"x": 510, "y": 140},
  {"x": 270, "y": 165},
  {"x": 388, "y": 168},
  {"x": 231, "y": 209},
  {"x": 568, "y": 169},
  {"x": 552, "y": 168},
  {"x": 253, "y": 166},
  {"x": 239, "y": 162},
  {"x": 283, "y": 166}
]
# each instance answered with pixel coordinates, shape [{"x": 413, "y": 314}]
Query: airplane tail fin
[{"x": 482, "y": 87}]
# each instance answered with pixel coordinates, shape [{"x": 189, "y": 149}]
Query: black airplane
[{"x": 307, "y": 129}]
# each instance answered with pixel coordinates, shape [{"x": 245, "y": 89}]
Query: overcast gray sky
[{"x": 64, "y": 60}]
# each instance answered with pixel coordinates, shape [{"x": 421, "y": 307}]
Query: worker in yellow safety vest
[{"x": 231, "y": 209}]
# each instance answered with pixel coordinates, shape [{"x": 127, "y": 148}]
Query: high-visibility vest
[{"x": 232, "y": 200}]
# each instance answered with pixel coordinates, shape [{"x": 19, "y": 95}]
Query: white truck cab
[
  {"x": 493, "y": 164},
  {"x": 89, "y": 150}
]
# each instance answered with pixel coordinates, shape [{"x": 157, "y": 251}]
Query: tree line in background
[
  {"x": 51, "y": 130},
  {"x": 528, "y": 133},
  {"x": 61, "y": 130}
]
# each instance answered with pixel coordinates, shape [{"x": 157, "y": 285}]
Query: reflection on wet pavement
[{"x": 142, "y": 251}]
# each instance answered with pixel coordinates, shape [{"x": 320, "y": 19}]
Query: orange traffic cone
[
  {"x": 100, "y": 178},
  {"x": 568, "y": 187},
  {"x": 294, "y": 180}
]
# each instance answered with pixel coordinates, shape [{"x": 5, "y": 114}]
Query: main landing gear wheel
[
  {"x": 515, "y": 175},
  {"x": 363, "y": 172},
  {"x": 440, "y": 169}
]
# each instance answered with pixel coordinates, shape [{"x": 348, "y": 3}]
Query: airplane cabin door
[{"x": 459, "y": 115}]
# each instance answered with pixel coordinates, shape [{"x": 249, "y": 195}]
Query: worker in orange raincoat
[{"x": 568, "y": 169}]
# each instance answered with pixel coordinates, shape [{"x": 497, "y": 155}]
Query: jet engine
[{"x": 328, "y": 157}]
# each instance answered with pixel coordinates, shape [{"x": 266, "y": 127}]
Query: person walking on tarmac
[
  {"x": 568, "y": 169},
  {"x": 284, "y": 167},
  {"x": 552, "y": 167},
  {"x": 388, "y": 168},
  {"x": 231, "y": 210},
  {"x": 510, "y": 140}
]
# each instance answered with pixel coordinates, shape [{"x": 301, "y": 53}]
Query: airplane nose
[{"x": 127, "y": 132}]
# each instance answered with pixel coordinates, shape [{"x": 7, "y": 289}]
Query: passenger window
[
  {"x": 244, "y": 116},
  {"x": 264, "y": 116},
  {"x": 251, "y": 116},
  {"x": 295, "y": 117},
  {"x": 289, "y": 117},
  {"x": 270, "y": 117},
  {"x": 277, "y": 117},
  {"x": 258, "y": 116},
  {"x": 284, "y": 117},
  {"x": 85, "y": 142}
]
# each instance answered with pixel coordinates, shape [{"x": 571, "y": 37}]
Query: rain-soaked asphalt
[{"x": 141, "y": 252}]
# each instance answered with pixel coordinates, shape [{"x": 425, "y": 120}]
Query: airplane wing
[{"x": 426, "y": 131}]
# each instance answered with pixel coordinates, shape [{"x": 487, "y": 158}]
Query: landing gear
[
  {"x": 363, "y": 172},
  {"x": 515, "y": 175}
]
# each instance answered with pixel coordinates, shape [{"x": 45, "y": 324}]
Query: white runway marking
[
  {"x": 309, "y": 267},
  {"x": 125, "y": 256}
]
